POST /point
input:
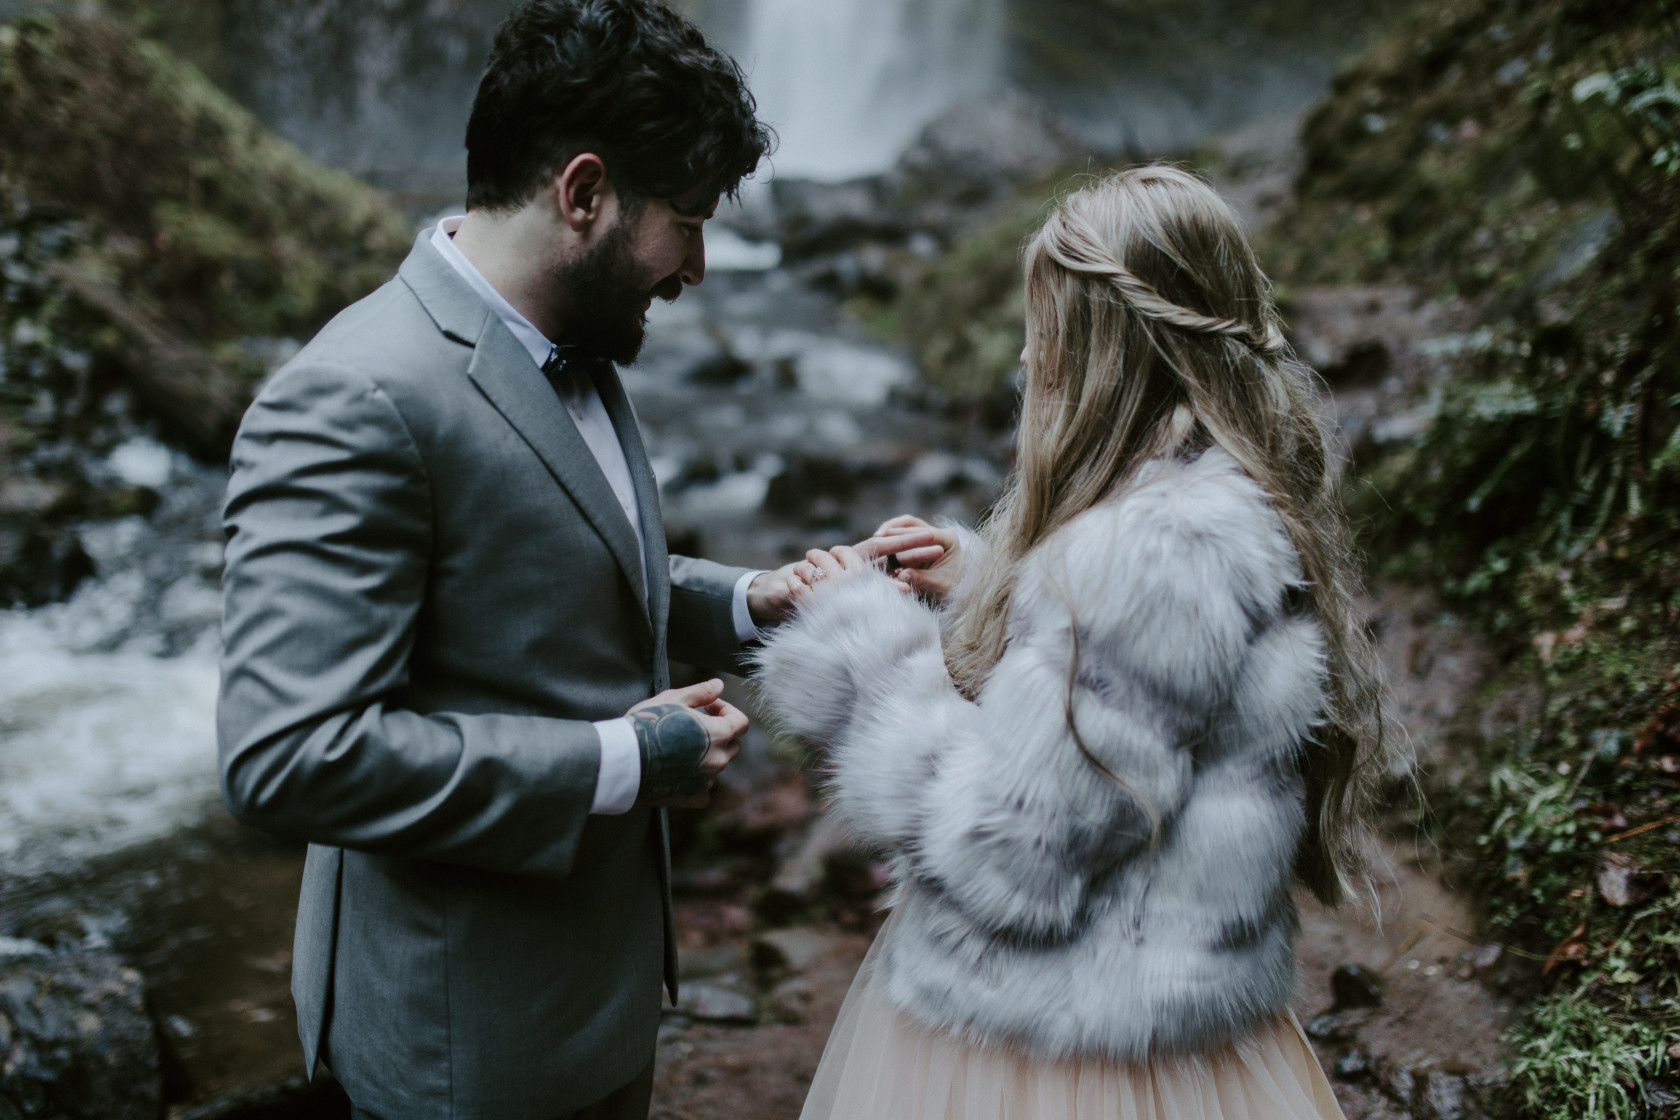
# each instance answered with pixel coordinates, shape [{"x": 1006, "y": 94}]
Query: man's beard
[{"x": 605, "y": 297}]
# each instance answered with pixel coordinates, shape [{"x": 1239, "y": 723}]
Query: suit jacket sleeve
[
  {"x": 329, "y": 523},
  {"x": 702, "y": 629}
]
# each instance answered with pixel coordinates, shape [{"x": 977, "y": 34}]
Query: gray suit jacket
[{"x": 430, "y": 591}]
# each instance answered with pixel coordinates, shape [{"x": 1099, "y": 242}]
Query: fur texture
[{"x": 1042, "y": 901}]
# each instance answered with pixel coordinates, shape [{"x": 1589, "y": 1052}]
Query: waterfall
[{"x": 848, "y": 83}]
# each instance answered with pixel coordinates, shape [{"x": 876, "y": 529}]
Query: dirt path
[{"x": 1428, "y": 1050}]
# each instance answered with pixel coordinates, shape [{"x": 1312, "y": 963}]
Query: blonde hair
[{"x": 1151, "y": 329}]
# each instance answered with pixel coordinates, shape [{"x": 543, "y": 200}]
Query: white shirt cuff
[
  {"x": 745, "y": 631},
  {"x": 620, "y": 778}
]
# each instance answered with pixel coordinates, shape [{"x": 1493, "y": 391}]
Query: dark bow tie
[{"x": 570, "y": 368}]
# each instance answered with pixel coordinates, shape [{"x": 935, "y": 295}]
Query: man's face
[{"x": 651, "y": 252}]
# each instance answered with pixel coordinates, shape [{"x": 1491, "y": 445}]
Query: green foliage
[
  {"x": 1576, "y": 1061},
  {"x": 1522, "y": 157},
  {"x": 962, "y": 317}
]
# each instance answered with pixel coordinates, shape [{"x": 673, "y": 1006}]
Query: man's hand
[
  {"x": 928, "y": 558},
  {"x": 770, "y": 597},
  {"x": 687, "y": 736}
]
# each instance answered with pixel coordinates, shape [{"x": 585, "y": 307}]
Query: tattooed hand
[
  {"x": 687, "y": 736},
  {"x": 673, "y": 743}
]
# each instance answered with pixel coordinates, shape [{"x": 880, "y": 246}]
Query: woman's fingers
[
  {"x": 902, "y": 521},
  {"x": 848, "y": 558},
  {"x": 826, "y": 565}
]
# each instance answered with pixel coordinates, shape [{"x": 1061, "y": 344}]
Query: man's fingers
[
  {"x": 882, "y": 544},
  {"x": 921, "y": 557},
  {"x": 698, "y": 695},
  {"x": 902, "y": 521},
  {"x": 727, "y": 723}
]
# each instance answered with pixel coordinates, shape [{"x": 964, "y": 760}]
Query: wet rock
[
  {"x": 873, "y": 270},
  {"x": 1352, "y": 1064},
  {"x": 1443, "y": 1096},
  {"x": 939, "y": 472},
  {"x": 975, "y": 153},
  {"x": 1349, "y": 334},
  {"x": 320, "y": 1099},
  {"x": 1354, "y": 985},
  {"x": 766, "y": 814},
  {"x": 672, "y": 1026},
  {"x": 39, "y": 563},
  {"x": 790, "y": 950},
  {"x": 1326, "y": 1028},
  {"x": 713, "y": 1003},
  {"x": 806, "y": 478},
  {"x": 728, "y": 957},
  {"x": 800, "y": 876},
  {"x": 76, "y": 1038},
  {"x": 1398, "y": 1081},
  {"x": 816, "y": 218},
  {"x": 790, "y": 1001}
]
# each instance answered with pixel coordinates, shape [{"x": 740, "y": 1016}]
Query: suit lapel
[
  {"x": 647, "y": 495},
  {"x": 504, "y": 372}
]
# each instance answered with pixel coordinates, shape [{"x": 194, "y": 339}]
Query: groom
[{"x": 449, "y": 606}]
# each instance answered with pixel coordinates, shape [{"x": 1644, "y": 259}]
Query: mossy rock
[
  {"x": 963, "y": 316},
  {"x": 150, "y": 229},
  {"x": 221, "y": 227}
]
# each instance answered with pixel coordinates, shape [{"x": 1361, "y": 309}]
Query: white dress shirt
[{"x": 619, "y": 778}]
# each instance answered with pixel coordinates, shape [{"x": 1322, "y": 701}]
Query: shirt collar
[{"x": 533, "y": 340}]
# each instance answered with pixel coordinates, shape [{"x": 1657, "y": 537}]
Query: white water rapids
[{"x": 107, "y": 701}]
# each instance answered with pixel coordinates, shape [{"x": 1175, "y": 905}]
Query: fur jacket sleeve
[{"x": 1148, "y": 640}]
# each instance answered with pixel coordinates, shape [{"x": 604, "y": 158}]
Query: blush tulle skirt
[{"x": 878, "y": 1065}]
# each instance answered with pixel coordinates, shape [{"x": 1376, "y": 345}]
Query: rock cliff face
[
  {"x": 1521, "y": 161},
  {"x": 155, "y": 242}
]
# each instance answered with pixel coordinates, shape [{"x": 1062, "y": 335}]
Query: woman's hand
[
  {"x": 929, "y": 557},
  {"x": 824, "y": 567}
]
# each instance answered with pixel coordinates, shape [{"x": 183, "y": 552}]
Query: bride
[{"x": 1135, "y": 717}]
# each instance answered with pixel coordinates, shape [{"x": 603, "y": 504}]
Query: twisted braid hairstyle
[{"x": 1151, "y": 332}]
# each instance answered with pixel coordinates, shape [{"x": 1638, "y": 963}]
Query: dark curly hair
[{"x": 631, "y": 81}]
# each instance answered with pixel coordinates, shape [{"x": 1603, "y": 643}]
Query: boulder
[
  {"x": 1354, "y": 985},
  {"x": 76, "y": 1042},
  {"x": 814, "y": 218},
  {"x": 790, "y": 1001},
  {"x": 1010, "y": 137},
  {"x": 706, "y": 1002},
  {"x": 972, "y": 158},
  {"x": 791, "y": 950}
]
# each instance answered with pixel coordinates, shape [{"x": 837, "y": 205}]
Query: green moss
[
  {"x": 1522, "y": 157},
  {"x": 148, "y": 228},
  {"x": 963, "y": 316},
  {"x": 225, "y": 229}
]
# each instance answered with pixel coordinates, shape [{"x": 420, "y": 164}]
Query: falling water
[{"x": 848, "y": 83}]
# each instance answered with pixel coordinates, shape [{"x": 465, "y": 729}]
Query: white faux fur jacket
[{"x": 1034, "y": 907}]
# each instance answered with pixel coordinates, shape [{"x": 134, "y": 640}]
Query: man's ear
[{"x": 581, "y": 191}]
